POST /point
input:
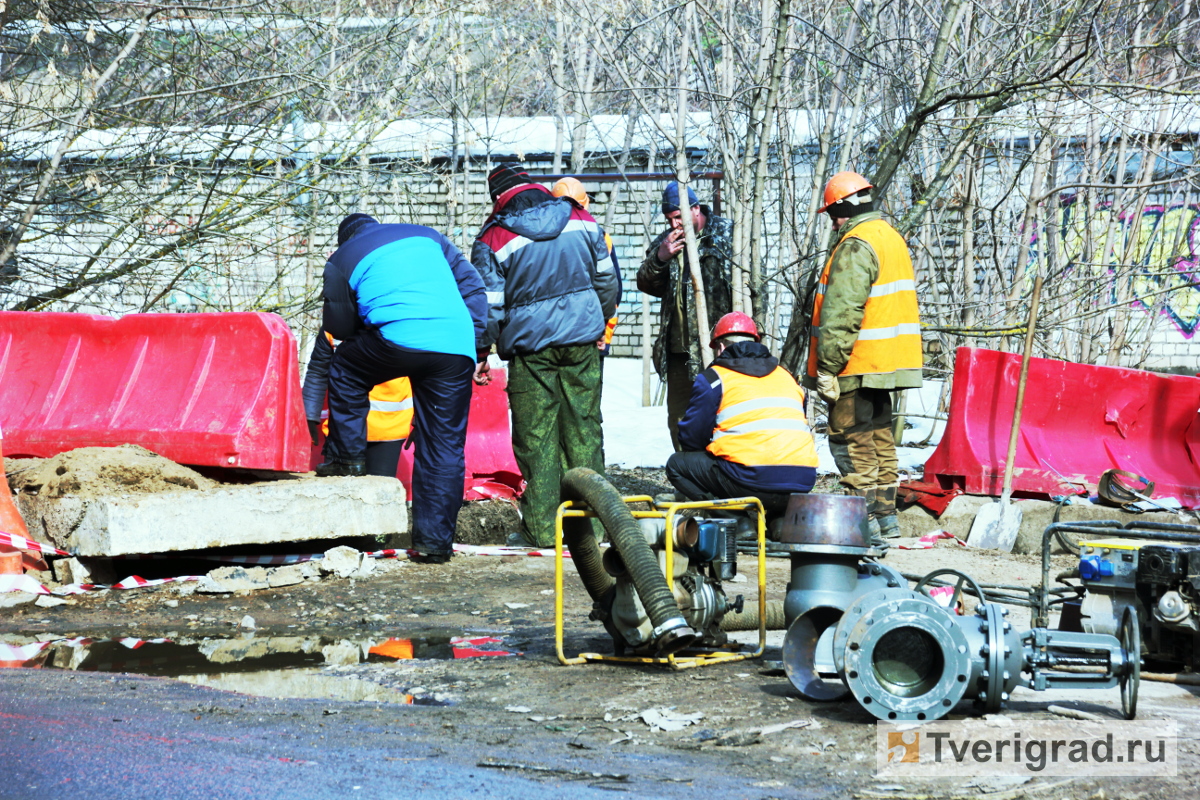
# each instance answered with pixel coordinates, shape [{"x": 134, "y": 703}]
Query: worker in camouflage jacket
[
  {"x": 665, "y": 274},
  {"x": 865, "y": 345},
  {"x": 551, "y": 286}
]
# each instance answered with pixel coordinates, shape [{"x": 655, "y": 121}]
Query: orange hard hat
[
  {"x": 572, "y": 188},
  {"x": 734, "y": 322},
  {"x": 841, "y": 186}
]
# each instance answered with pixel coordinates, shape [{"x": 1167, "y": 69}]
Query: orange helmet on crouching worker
[
  {"x": 845, "y": 186},
  {"x": 735, "y": 322},
  {"x": 572, "y": 188}
]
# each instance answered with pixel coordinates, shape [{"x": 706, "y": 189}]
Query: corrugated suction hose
[
  {"x": 747, "y": 618},
  {"x": 671, "y": 631}
]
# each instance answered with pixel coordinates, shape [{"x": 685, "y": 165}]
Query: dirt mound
[
  {"x": 486, "y": 522},
  {"x": 95, "y": 471},
  {"x": 638, "y": 481}
]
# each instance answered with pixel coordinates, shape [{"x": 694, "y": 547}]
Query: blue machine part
[
  {"x": 710, "y": 544},
  {"x": 1094, "y": 568}
]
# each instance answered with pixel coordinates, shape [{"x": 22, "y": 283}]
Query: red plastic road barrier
[
  {"x": 491, "y": 466},
  {"x": 218, "y": 390},
  {"x": 1078, "y": 421}
]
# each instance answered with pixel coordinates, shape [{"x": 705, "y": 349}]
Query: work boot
[
  {"x": 342, "y": 469},
  {"x": 666, "y": 498},
  {"x": 889, "y": 527},
  {"x": 874, "y": 530},
  {"x": 747, "y": 529},
  {"x": 429, "y": 558},
  {"x": 519, "y": 539}
]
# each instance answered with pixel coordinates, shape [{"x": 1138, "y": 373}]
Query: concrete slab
[
  {"x": 1036, "y": 516},
  {"x": 265, "y": 513}
]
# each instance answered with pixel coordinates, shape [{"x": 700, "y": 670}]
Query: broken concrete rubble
[
  {"x": 233, "y": 580},
  {"x": 290, "y": 575},
  {"x": 345, "y": 562},
  {"x": 1036, "y": 516},
  {"x": 10, "y": 599}
]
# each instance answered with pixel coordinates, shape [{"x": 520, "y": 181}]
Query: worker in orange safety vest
[
  {"x": 389, "y": 422},
  {"x": 744, "y": 433},
  {"x": 865, "y": 344}
]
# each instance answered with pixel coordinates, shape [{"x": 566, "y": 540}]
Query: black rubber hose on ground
[
  {"x": 672, "y": 631},
  {"x": 585, "y": 552},
  {"x": 747, "y": 619}
]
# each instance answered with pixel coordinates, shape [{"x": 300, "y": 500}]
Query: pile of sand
[{"x": 97, "y": 471}]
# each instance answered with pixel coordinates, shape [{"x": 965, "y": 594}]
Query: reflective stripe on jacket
[
  {"x": 391, "y": 414},
  {"x": 761, "y": 422},
  {"x": 889, "y": 338}
]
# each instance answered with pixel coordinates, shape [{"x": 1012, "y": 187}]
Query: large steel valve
[
  {"x": 902, "y": 656},
  {"x": 905, "y": 657},
  {"x": 826, "y": 538}
]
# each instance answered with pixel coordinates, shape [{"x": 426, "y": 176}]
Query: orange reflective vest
[
  {"x": 610, "y": 327},
  {"x": 761, "y": 422},
  {"x": 890, "y": 336},
  {"x": 391, "y": 414}
]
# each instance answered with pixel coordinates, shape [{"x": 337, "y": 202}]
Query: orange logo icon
[{"x": 903, "y": 747}]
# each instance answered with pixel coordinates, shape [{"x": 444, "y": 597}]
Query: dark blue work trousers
[{"x": 441, "y": 385}]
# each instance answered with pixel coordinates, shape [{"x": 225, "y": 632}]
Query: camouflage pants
[
  {"x": 555, "y": 400},
  {"x": 860, "y": 437},
  {"x": 679, "y": 392}
]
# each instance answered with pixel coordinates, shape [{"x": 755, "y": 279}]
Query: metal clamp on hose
[{"x": 672, "y": 636}]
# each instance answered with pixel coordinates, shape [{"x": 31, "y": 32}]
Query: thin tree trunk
[
  {"x": 560, "y": 83},
  {"x": 683, "y": 174},
  {"x": 764, "y": 142}
]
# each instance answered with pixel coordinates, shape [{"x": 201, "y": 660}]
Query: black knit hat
[
  {"x": 505, "y": 177},
  {"x": 857, "y": 203},
  {"x": 350, "y": 226}
]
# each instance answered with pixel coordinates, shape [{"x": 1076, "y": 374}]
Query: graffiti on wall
[{"x": 1162, "y": 247}]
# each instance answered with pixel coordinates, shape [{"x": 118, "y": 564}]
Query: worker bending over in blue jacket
[{"x": 405, "y": 302}]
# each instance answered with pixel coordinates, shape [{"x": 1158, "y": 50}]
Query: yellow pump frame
[{"x": 667, "y": 512}]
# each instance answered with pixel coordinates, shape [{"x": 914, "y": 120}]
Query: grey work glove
[{"x": 828, "y": 388}]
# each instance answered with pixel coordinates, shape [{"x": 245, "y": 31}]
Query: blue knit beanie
[{"x": 670, "y": 198}]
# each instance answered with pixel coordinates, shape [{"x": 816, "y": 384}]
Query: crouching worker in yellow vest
[
  {"x": 389, "y": 422},
  {"x": 744, "y": 433},
  {"x": 866, "y": 344}
]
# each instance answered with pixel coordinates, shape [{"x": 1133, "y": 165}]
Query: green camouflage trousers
[{"x": 555, "y": 400}]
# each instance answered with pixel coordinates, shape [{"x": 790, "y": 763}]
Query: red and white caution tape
[
  {"x": 20, "y": 653},
  {"x": 477, "y": 550},
  {"x": 269, "y": 561},
  {"x": 19, "y": 542},
  {"x": 21, "y": 583},
  {"x": 504, "y": 550},
  {"x": 929, "y": 540},
  {"x": 25, "y": 583}
]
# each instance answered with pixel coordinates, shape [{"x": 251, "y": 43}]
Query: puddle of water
[
  {"x": 310, "y": 683},
  {"x": 269, "y": 666}
]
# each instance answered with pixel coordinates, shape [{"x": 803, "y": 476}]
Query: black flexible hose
[
  {"x": 578, "y": 537},
  {"x": 589, "y": 486}
]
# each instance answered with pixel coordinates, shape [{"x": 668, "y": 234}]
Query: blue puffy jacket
[{"x": 412, "y": 284}]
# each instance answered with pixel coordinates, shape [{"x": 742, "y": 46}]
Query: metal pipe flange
[{"x": 904, "y": 658}]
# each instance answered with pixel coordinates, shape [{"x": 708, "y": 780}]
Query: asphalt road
[{"x": 70, "y": 735}]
